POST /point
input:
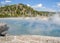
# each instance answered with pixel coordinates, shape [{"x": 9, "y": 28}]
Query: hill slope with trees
[{"x": 21, "y": 10}]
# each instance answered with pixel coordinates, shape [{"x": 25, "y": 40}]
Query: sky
[{"x": 40, "y": 5}]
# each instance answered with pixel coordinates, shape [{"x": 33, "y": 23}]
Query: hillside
[{"x": 21, "y": 10}]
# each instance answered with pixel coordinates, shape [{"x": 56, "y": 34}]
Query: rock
[{"x": 3, "y": 29}]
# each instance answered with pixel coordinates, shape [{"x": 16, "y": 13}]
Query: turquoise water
[{"x": 32, "y": 27}]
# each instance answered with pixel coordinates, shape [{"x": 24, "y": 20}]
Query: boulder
[{"x": 3, "y": 29}]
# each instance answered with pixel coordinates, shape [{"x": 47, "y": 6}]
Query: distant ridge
[{"x": 21, "y": 10}]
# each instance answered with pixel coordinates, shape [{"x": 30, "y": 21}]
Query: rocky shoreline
[{"x": 29, "y": 39}]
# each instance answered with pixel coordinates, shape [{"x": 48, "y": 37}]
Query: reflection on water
[{"x": 32, "y": 27}]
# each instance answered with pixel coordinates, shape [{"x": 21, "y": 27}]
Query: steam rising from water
[
  {"x": 56, "y": 19},
  {"x": 34, "y": 25}
]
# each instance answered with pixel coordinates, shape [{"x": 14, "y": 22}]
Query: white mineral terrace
[
  {"x": 27, "y": 18},
  {"x": 29, "y": 39}
]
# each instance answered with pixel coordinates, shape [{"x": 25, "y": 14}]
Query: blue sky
[{"x": 40, "y": 5}]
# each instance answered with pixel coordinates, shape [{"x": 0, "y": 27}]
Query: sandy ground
[{"x": 29, "y": 39}]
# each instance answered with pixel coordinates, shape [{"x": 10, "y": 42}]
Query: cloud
[
  {"x": 38, "y": 6},
  {"x": 7, "y": 0},
  {"x": 49, "y": 9},
  {"x": 58, "y": 4},
  {"x": 2, "y": 2},
  {"x": 41, "y": 7},
  {"x": 28, "y": 4}
]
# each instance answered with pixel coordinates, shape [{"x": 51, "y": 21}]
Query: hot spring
[{"x": 33, "y": 26}]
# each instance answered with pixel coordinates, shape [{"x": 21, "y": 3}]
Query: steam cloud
[{"x": 35, "y": 26}]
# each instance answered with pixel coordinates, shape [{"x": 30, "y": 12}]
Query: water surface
[{"x": 32, "y": 27}]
